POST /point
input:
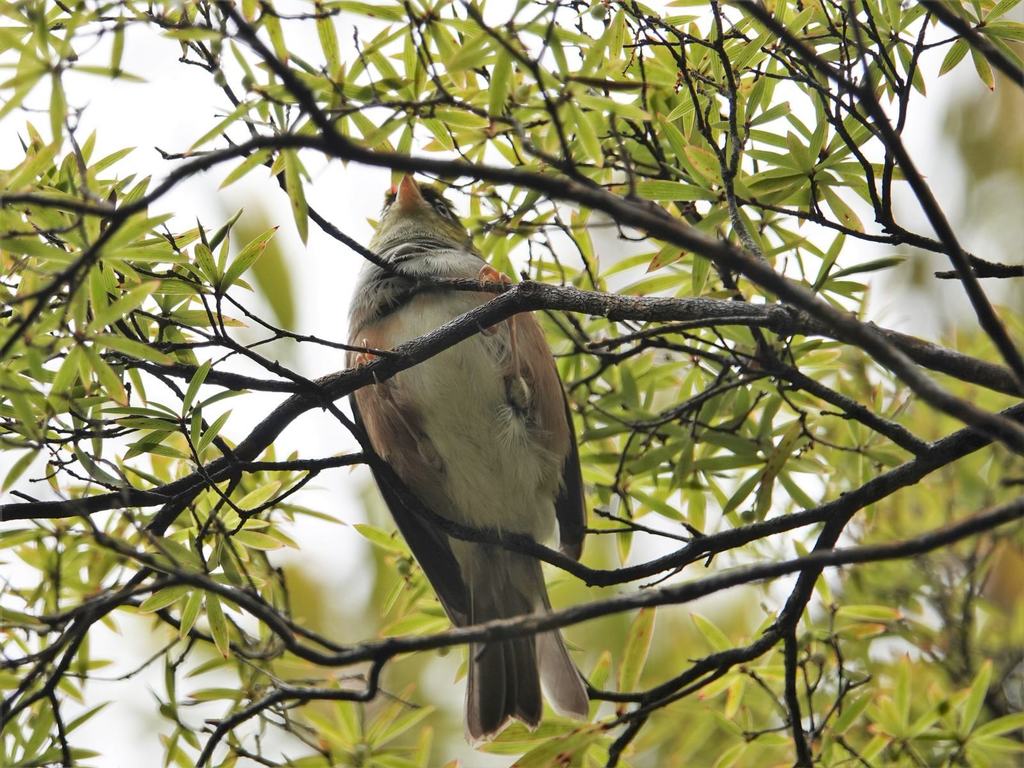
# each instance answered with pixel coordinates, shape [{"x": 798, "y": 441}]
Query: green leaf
[
  {"x": 107, "y": 377},
  {"x": 842, "y": 211},
  {"x": 501, "y": 82},
  {"x": 398, "y": 726},
  {"x": 671, "y": 191},
  {"x": 190, "y": 612},
  {"x": 256, "y": 498},
  {"x": 206, "y": 263},
  {"x": 716, "y": 638},
  {"x": 473, "y": 53},
  {"x": 587, "y": 136},
  {"x": 874, "y": 613},
  {"x": 869, "y": 266},
  {"x": 193, "y": 386},
  {"x": 218, "y": 624},
  {"x": 211, "y": 432},
  {"x": 850, "y": 712},
  {"x": 18, "y": 469},
  {"x": 242, "y": 109},
  {"x": 257, "y": 540},
  {"x": 705, "y": 162},
  {"x": 902, "y": 692},
  {"x": 248, "y": 256},
  {"x": 127, "y": 303},
  {"x": 68, "y": 372},
  {"x": 296, "y": 195},
  {"x": 28, "y": 246},
  {"x": 971, "y": 707},
  {"x": 276, "y": 34},
  {"x": 984, "y": 70},
  {"x": 953, "y": 57},
  {"x": 393, "y": 12},
  {"x": 634, "y": 654},
  {"x": 132, "y": 348},
  {"x": 773, "y": 466},
  {"x": 164, "y": 597},
  {"x": 999, "y": 726},
  {"x": 328, "y": 39},
  {"x": 58, "y": 107},
  {"x": 384, "y": 540},
  {"x": 256, "y": 158}
]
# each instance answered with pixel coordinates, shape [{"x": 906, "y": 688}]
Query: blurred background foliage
[{"x": 914, "y": 662}]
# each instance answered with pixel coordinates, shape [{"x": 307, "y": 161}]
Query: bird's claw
[
  {"x": 489, "y": 274},
  {"x": 364, "y": 356}
]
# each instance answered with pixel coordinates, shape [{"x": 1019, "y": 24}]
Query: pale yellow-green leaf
[
  {"x": 164, "y": 597},
  {"x": 259, "y": 496},
  {"x": 218, "y": 624},
  {"x": 634, "y": 654}
]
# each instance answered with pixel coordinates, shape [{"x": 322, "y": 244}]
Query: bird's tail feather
[{"x": 505, "y": 676}]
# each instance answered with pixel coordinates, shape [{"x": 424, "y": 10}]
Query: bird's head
[{"x": 413, "y": 212}]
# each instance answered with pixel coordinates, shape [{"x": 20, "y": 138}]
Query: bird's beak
[{"x": 408, "y": 196}]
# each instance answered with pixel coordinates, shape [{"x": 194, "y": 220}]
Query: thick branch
[{"x": 524, "y": 296}]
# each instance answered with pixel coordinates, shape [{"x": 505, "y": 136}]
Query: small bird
[{"x": 481, "y": 435}]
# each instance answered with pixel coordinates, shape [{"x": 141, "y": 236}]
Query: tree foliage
[{"x": 701, "y": 199}]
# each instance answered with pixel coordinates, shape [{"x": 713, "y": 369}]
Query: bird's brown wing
[
  {"x": 390, "y": 425},
  {"x": 552, "y": 413},
  {"x": 570, "y": 506}
]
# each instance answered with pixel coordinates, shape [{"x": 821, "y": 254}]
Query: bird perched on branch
[{"x": 480, "y": 435}]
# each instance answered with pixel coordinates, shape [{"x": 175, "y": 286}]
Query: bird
[{"x": 481, "y": 435}]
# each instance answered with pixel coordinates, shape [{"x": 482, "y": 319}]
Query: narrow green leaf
[
  {"x": 587, "y": 136},
  {"x": 380, "y": 538},
  {"x": 675, "y": 191},
  {"x": 1000, "y": 725},
  {"x": 296, "y": 196},
  {"x": 501, "y": 82},
  {"x": 256, "y": 498},
  {"x": 971, "y": 707},
  {"x": 842, "y": 211},
  {"x": 190, "y": 612},
  {"x": 716, "y": 638},
  {"x": 850, "y": 712},
  {"x": 221, "y": 126},
  {"x": 211, "y": 433},
  {"x": 634, "y": 655},
  {"x": 117, "y": 48},
  {"x": 58, "y": 107},
  {"x": 124, "y": 305},
  {"x": 18, "y": 469},
  {"x": 776, "y": 461},
  {"x": 218, "y": 624},
  {"x": 248, "y": 256},
  {"x": 68, "y": 372},
  {"x": 869, "y": 266},
  {"x": 953, "y": 57},
  {"x": 328, "y": 39},
  {"x": 256, "y": 158},
  {"x": 193, "y": 386},
  {"x": 984, "y": 70},
  {"x": 257, "y": 540},
  {"x": 107, "y": 377},
  {"x": 132, "y": 348},
  {"x": 164, "y": 597},
  {"x": 273, "y": 25}
]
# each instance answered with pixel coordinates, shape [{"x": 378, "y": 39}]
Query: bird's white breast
[{"x": 495, "y": 474}]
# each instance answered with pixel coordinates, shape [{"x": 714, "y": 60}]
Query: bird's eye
[{"x": 443, "y": 209}]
